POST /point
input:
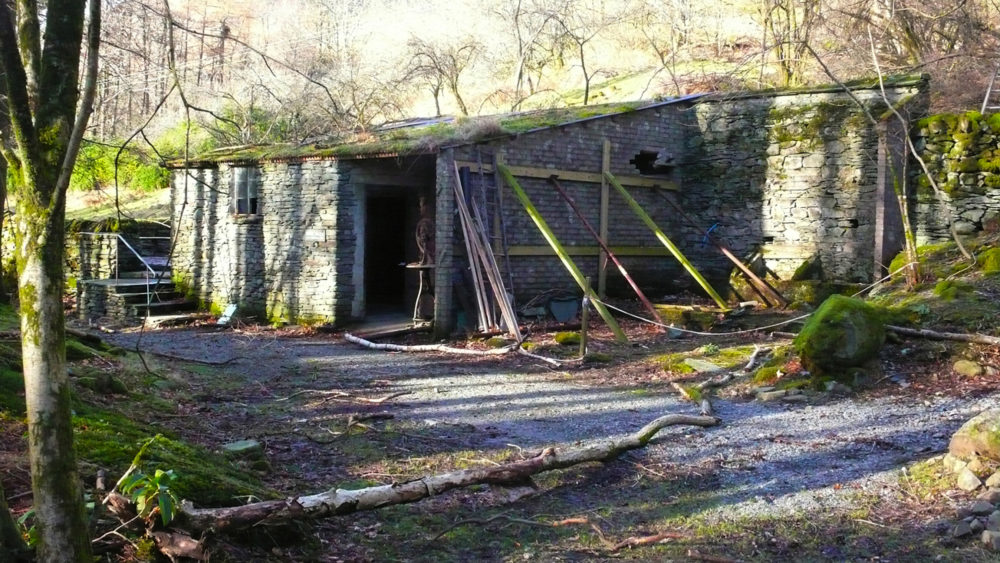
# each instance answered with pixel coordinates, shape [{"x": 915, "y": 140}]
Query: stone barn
[{"x": 367, "y": 224}]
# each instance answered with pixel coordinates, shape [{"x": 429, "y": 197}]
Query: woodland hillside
[{"x": 301, "y": 69}]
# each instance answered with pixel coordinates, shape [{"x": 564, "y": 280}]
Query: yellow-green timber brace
[
  {"x": 550, "y": 237},
  {"x": 666, "y": 241}
]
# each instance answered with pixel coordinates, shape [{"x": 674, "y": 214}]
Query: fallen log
[
  {"x": 974, "y": 338},
  {"x": 448, "y": 349},
  {"x": 339, "y": 501}
]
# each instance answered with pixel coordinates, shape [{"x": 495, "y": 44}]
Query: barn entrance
[{"x": 386, "y": 237}]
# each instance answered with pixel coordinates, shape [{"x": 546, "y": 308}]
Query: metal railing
[{"x": 150, "y": 271}]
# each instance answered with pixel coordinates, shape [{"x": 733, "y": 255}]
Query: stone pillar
[
  {"x": 892, "y": 161},
  {"x": 444, "y": 241}
]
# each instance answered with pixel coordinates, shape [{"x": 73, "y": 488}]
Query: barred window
[{"x": 246, "y": 184}]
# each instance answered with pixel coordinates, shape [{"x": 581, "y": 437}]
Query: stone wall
[
  {"x": 794, "y": 174},
  {"x": 962, "y": 153},
  {"x": 295, "y": 259},
  {"x": 101, "y": 254}
]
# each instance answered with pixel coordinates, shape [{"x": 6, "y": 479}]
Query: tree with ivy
[{"x": 41, "y": 50}]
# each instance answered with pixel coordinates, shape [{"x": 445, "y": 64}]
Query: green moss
[
  {"x": 989, "y": 260},
  {"x": 692, "y": 393},
  {"x": 843, "y": 333},
  {"x": 567, "y": 338},
  {"x": 766, "y": 374},
  {"x": 810, "y": 269},
  {"x": 950, "y": 289},
  {"x": 111, "y": 440},
  {"x": 965, "y": 165},
  {"x": 597, "y": 358},
  {"x": 924, "y": 253},
  {"x": 796, "y": 384},
  {"x": 496, "y": 342},
  {"x": 991, "y": 181},
  {"x": 78, "y": 351},
  {"x": 416, "y": 139}
]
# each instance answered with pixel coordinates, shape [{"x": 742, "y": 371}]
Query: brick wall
[{"x": 579, "y": 147}]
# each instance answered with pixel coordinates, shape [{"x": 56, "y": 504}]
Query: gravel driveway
[{"x": 772, "y": 458}]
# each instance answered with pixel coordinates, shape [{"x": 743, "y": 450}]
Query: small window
[{"x": 246, "y": 182}]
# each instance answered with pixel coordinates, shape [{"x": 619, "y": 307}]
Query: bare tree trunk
[{"x": 339, "y": 501}]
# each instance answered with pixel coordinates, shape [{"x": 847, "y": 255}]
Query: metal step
[
  {"x": 157, "y": 296},
  {"x": 163, "y": 307}
]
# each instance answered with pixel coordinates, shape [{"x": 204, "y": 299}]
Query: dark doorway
[{"x": 385, "y": 254}]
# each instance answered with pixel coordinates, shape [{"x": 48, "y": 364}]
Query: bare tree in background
[
  {"x": 442, "y": 66},
  {"x": 534, "y": 32},
  {"x": 788, "y": 27}
]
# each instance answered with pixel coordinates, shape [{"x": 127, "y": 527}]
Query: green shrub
[{"x": 95, "y": 169}]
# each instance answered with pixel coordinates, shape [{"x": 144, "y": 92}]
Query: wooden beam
[
  {"x": 602, "y": 262},
  {"x": 606, "y": 253},
  {"x": 543, "y": 250},
  {"x": 550, "y": 237},
  {"x": 391, "y": 180},
  {"x": 641, "y": 213},
  {"x": 577, "y": 176}
]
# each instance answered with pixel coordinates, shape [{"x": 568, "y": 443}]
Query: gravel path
[{"x": 772, "y": 458}]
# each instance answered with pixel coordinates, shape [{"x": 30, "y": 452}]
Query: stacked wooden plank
[{"x": 488, "y": 286}]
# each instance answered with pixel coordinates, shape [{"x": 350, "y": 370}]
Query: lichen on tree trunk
[
  {"x": 55, "y": 484},
  {"x": 42, "y": 88}
]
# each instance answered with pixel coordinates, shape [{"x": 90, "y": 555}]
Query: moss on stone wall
[{"x": 962, "y": 151}]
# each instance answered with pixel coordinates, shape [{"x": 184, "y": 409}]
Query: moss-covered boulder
[
  {"x": 980, "y": 436},
  {"x": 843, "y": 333}
]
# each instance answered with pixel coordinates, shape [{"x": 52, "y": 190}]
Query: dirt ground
[{"x": 814, "y": 480}]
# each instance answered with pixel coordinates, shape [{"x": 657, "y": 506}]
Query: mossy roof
[
  {"x": 429, "y": 135},
  {"x": 420, "y": 135}
]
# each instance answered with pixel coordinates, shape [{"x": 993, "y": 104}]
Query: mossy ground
[{"x": 109, "y": 429}]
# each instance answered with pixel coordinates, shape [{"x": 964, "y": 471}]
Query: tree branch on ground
[{"x": 340, "y": 501}]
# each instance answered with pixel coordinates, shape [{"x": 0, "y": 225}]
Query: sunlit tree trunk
[{"x": 42, "y": 83}]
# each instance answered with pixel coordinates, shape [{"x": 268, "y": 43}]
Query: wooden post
[
  {"x": 667, "y": 242},
  {"x": 485, "y": 254},
  {"x": 550, "y": 237},
  {"x": 602, "y": 264},
  {"x": 584, "y": 321},
  {"x": 606, "y": 252}
]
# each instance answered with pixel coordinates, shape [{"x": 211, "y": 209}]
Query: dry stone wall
[
  {"x": 962, "y": 152},
  {"x": 291, "y": 261},
  {"x": 793, "y": 174}
]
